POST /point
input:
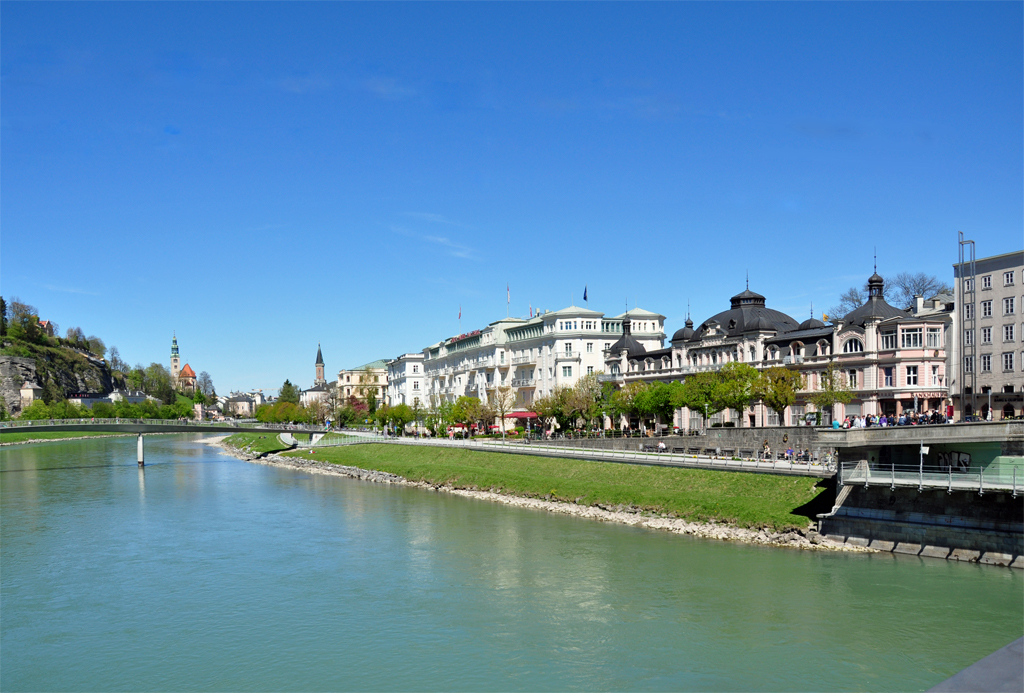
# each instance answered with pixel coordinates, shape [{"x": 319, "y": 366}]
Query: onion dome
[{"x": 685, "y": 333}]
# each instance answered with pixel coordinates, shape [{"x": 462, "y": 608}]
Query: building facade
[
  {"x": 532, "y": 356},
  {"x": 407, "y": 381},
  {"x": 989, "y": 356},
  {"x": 892, "y": 360},
  {"x": 364, "y": 382}
]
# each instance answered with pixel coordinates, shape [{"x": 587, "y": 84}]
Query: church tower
[
  {"x": 319, "y": 368},
  {"x": 175, "y": 359}
]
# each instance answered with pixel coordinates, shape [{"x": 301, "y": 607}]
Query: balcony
[
  {"x": 523, "y": 359},
  {"x": 787, "y": 360},
  {"x": 524, "y": 382}
]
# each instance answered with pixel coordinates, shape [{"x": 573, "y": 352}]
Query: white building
[
  {"x": 533, "y": 356},
  {"x": 407, "y": 381}
]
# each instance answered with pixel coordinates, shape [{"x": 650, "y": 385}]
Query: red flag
[
  {"x": 460, "y": 311},
  {"x": 508, "y": 294}
]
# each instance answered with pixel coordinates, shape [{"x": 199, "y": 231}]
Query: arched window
[
  {"x": 753, "y": 353},
  {"x": 852, "y": 346}
]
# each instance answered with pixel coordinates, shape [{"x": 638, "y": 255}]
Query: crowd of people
[{"x": 907, "y": 418}]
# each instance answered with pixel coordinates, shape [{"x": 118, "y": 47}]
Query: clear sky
[{"x": 261, "y": 177}]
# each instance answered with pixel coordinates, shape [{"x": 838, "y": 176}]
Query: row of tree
[
  {"x": 122, "y": 409},
  {"x": 19, "y": 321}
]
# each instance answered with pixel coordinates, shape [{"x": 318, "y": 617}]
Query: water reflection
[{"x": 240, "y": 576}]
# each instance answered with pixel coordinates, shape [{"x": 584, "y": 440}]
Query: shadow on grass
[{"x": 821, "y": 503}]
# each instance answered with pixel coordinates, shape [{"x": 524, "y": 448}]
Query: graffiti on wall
[{"x": 957, "y": 461}]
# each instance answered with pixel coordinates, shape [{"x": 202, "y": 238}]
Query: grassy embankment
[
  {"x": 257, "y": 443},
  {"x": 743, "y": 499},
  {"x": 22, "y": 435}
]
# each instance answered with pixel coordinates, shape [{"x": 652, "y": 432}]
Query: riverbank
[
  {"x": 681, "y": 501},
  {"x": 24, "y": 438}
]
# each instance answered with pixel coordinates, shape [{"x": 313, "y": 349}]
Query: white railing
[
  {"x": 974, "y": 479},
  {"x": 523, "y": 382},
  {"x": 523, "y": 359}
]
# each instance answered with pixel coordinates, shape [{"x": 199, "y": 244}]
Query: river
[{"x": 204, "y": 572}]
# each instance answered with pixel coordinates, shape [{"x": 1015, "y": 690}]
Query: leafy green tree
[
  {"x": 3, "y": 320},
  {"x": 777, "y": 388},
  {"x": 4, "y": 415},
  {"x": 24, "y": 321},
  {"x": 36, "y": 411},
  {"x": 700, "y": 393},
  {"x": 832, "y": 389},
  {"x": 655, "y": 402},
  {"x": 400, "y": 415},
  {"x": 289, "y": 393},
  {"x": 104, "y": 410},
  {"x": 199, "y": 397},
  {"x": 736, "y": 389}
]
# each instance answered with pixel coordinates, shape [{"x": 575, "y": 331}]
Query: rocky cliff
[{"x": 63, "y": 371}]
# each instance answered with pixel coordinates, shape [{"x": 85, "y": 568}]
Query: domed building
[{"x": 892, "y": 359}]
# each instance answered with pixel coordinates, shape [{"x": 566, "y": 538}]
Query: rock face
[
  {"x": 14, "y": 371},
  {"x": 70, "y": 371}
]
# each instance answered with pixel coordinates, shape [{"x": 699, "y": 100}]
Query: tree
[
  {"x": 503, "y": 400},
  {"x": 288, "y": 393},
  {"x": 850, "y": 300},
  {"x": 736, "y": 389},
  {"x": 700, "y": 393},
  {"x": 24, "y": 321},
  {"x": 833, "y": 389},
  {"x": 157, "y": 382},
  {"x": 204, "y": 383},
  {"x": 903, "y": 287},
  {"x": 96, "y": 345},
  {"x": 74, "y": 335},
  {"x": 777, "y": 388},
  {"x": 585, "y": 401},
  {"x": 655, "y": 401},
  {"x": 317, "y": 410},
  {"x": 116, "y": 363},
  {"x": 3, "y": 319},
  {"x": 399, "y": 415}
]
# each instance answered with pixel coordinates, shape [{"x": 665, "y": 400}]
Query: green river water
[{"x": 204, "y": 572}]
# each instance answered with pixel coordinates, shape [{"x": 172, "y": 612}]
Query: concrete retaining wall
[{"x": 957, "y": 526}]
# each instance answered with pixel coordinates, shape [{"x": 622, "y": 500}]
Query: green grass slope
[{"x": 743, "y": 499}]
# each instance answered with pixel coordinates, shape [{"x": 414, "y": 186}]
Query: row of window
[
  {"x": 889, "y": 377},
  {"x": 986, "y": 281},
  {"x": 909, "y": 338},
  {"x": 1009, "y": 308},
  {"x": 1009, "y": 335},
  {"x": 985, "y": 361}
]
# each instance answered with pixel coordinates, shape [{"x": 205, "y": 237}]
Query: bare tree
[
  {"x": 850, "y": 300},
  {"x": 902, "y": 288},
  {"x": 205, "y": 384},
  {"x": 502, "y": 401},
  {"x": 117, "y": 364}
]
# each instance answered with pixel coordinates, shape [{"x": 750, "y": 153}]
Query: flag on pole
[
  {"x": 531, "y": 310},
  {"x": 508, "y": 294},
  {"x": 460, "y": 311},
  {"x": 584, "y": 292}
]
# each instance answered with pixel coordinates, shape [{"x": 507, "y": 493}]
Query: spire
[
  {"x": 319, "y": 356},
  {"x": 748, "y": 280},
  {"x": 876, "y": 259},
  {"x": 174, "y": 344}
]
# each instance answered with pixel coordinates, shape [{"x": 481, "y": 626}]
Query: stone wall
[{"x": 958, "y": 526}]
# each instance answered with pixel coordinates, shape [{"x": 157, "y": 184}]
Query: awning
[{"x": 521, "y": 415}]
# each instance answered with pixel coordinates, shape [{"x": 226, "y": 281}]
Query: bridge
[{"x": 143, "y": 426}]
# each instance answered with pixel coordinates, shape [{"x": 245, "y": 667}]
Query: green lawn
[
  {"x": 744, "y": 499},
  {"x": 256, "y": 442},
  {"x": 22, "y": 435}
]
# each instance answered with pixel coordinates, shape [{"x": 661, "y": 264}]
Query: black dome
[
  {"x": 811, "y": 324},
  {"x": 685, "y": 333}
]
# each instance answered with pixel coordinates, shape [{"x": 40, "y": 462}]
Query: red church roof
[{"x": 187, "y": 372}]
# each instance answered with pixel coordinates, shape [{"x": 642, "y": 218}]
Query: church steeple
[
  {"x": 320, "y": 380},
  {"x": 175, "y": 359}
]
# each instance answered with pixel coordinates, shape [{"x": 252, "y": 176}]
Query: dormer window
[{"x": 853, "y": 346}]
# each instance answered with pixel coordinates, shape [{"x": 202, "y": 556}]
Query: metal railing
[
  {"x": 642, "y": 455},
  {"x": 227, "y": 425},
  {"x": 975, "y": 479}
]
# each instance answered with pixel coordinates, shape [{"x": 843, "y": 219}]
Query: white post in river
[{"x": 141, "y": 456}]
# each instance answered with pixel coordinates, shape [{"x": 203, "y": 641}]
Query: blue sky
[{"x": 261, "y": 177}]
